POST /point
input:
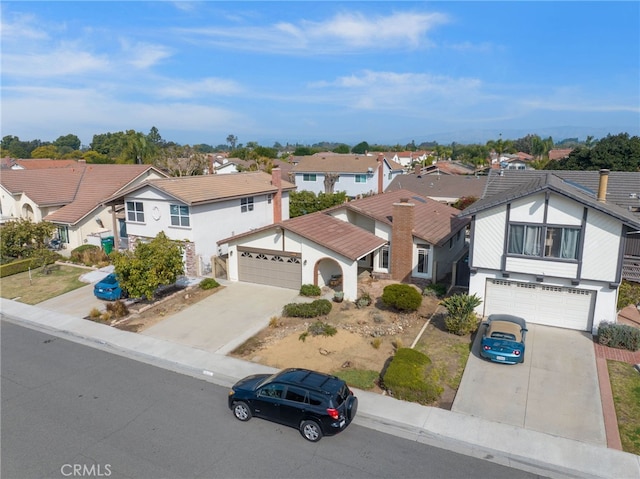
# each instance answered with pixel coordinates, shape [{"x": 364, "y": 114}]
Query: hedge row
[
  {"x": 319, "y": 307},
  {"x": 24, "y": 264}
]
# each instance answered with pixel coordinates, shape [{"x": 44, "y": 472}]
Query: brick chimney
[
  {"x": 276, "y": 180},
  {"x": 380, "y": 173},
  {"x": 402, "y": 240},
  {"x": 602, "y": 185}
]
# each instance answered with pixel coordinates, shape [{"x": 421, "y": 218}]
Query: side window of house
[
  {"x": 135, "y": 211},
  {"x": 384, "y": 257},
  {"x": 246, "y": 204},
  {"x": 309, "y": 177},
  {"x": 179, "y": 215},
  {"x": 361, "y": 178}
]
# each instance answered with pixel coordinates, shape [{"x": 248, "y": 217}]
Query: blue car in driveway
[
  {"x": 503, "y": 339},
  {"x": 108, "y": 288}
]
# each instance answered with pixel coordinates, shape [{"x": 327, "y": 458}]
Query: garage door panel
[
  {"x": 275, "y": 268},
  {"x": 564, "y": 307}
]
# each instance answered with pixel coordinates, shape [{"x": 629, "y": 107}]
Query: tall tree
[
  {"x": 182, "y": 161},
  {"x": 361, "y": 148},
  {"x": 70, "y": 141},
  {"x": 232, "y": 140}
]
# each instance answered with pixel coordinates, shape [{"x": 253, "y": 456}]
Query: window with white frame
[
  {"x": 423, "y": 258},
  {"x": 135, "y": 211},
  {"x": 309, "y": 177},
  {"x": 179, "y": 215},
  {"x": 559, "y": 242},
  {"x": 361, "y": 178},
  {"x": 383, "y": 257},
  {"x": 246, "y": 204}
]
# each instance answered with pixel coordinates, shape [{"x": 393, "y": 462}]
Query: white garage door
[
  {"x": 276, "y": 268},
  {"x": 569, "y": 308}
]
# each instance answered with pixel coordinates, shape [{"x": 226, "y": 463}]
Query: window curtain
[
  {"x": 570, "y": 238},
  {"x": 516, "y": 239},
  {"x": 532, "y": 243}
]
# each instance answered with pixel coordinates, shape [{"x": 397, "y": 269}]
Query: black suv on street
[{"x": 316, "y": 404}]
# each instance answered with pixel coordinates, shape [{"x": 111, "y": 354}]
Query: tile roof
[
  {"x": 434, "y": 222},
  {"x": 622, "y": 199},
  {"x": 440, "y": 186},
  {"x": 39, "y": 163},
  {"x": 559, "y": 153},
  {"x": 79, "y": 189},
  {"x": 193, "y": 190},
  {"x": 335, "y": 163}
]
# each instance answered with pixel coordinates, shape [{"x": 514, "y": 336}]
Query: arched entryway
[
  {"x": 327, "y": 272},
  {"x": 27, "y": 212}
]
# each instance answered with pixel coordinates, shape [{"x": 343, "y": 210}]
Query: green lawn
[
  {"x": 36, "y": 286},
  {"x": 625, "y": 385}
]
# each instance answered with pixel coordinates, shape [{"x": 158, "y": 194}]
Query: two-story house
[
  {"x": 70, "y": 197},
  {"x": 356, "y": 175},
  {"x": 550, "y": 246},
  {"x": 200, "y": 210},
  {"x": 400, "y": 235}
]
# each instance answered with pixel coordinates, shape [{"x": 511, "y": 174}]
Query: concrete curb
[{"x": 515, "y": 447}]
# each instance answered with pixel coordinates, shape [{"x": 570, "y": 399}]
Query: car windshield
[{"x": 109, "y": 280}]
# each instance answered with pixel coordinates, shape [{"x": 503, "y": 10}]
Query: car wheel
[
  {"x": 311, "y": 431},
  {"x": 242, "y": 411},
  {"x": 352, "y": 408}
]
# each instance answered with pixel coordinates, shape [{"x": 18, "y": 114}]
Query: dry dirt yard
[{"x": 366, "y": 340}]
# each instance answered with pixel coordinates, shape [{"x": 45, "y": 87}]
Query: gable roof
[
  {"x": 340, "y": 163},
  {"x": 434, "y": 222},
  {"x": 78, "y": 189},
  {"x": 195, "y": 190},
  {"x": 440, "y": 186},
  {"x": 622, "y": 198},
  {"x": 38, "y": 163}
]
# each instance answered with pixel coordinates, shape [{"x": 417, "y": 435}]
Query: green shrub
[
  {"x": 118, "y": 309},
  {"x": 318, "y": 329},
  {"x": 461, "y": 318},
  {"x": 20, "y": 266},
  {"x": 435, "y": 289},
  {"x": 319, "y": 307},
  {"x": 403, "y": 297},
  {"x": 628, "y": 293},
  {"x": 621, "y": 336},
  {"x": 209, "y": 283},
  {"x": 310, "y": 290},
  {"x": 88, "y": 255},
  {"x": 411, "y": 377}
]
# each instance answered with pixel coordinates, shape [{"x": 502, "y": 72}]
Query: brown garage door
[{"x": 276, "y": 268}]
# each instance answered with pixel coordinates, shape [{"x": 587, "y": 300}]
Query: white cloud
[
  {"x": 207, "y": 86},
  {"x": 343, "y": 33},
  {"x": 144, "y": 55}
]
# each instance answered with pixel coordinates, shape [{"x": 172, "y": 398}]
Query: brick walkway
[{"x": 631, "y": 316}]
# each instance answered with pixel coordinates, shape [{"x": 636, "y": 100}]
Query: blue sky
[{"x": 305, "y": 71}]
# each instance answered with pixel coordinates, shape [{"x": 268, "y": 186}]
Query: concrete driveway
[
  {"x": 224, "y": 320},
  {"x": 555, "y": 391}
]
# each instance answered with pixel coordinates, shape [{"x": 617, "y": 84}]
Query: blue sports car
[
  {"x": 108, "y": 288},
  {"x": 503, "y": 339}
]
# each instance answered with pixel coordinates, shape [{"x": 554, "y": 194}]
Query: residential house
[
  {"x": 559, "y": 153},
  {"x": 554, "y": 246},
  {"x": 399, "y": 234},
  {"x": 357, "y": 175},
  {"x": 200, "y": 210},
  {"x": 442, "y": 188},
  {"x": 35, "y": 163},
  {"x": 71, "y": 197}
]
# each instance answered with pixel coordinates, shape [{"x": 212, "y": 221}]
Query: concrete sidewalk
[{"x": 531, "y": 451}]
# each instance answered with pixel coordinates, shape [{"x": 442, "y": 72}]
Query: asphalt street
[{"x": 66, "y": 407}]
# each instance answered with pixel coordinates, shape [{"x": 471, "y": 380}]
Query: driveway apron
[
  {"x": 555, "y": 391},
  {"x": 225, "y": 319}
]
